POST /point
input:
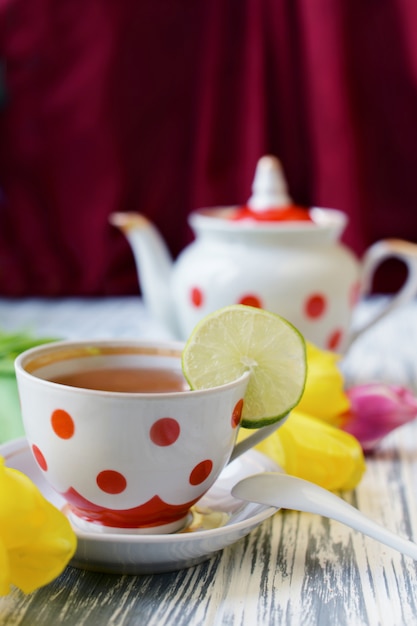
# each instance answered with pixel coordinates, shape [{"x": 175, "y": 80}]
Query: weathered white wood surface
[{"x": 295, "y": 568}]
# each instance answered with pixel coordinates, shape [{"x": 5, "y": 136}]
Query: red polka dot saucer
[{"x": 218, "y": 521}]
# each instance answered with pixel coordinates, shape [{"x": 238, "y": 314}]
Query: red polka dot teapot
[{"x": 270, "y": 254}]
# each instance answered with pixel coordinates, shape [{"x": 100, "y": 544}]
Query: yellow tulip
[
  {"x": 310, "y": 444},
  {"x": 324, "y": 396},
  {"x": 311, "y": 449},
  {"x": 36, "y": 539}
]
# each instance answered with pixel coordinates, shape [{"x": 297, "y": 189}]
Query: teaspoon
[{"x": 288, "y": 492}]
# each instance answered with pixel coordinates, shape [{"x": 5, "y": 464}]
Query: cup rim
[{"x": 32, "y": 359}]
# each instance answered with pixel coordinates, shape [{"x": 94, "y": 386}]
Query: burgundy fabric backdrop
[{"x": 165, "y": 106}]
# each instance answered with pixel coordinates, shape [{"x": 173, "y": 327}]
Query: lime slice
[{"x": 238, "y": 338}]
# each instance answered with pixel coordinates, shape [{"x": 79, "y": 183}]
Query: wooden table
[{"x": 294, "y": 568}]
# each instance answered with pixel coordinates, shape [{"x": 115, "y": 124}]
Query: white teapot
[{"x": 271, "y": 255}]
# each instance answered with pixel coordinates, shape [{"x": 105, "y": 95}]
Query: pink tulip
[{"x": 376, "y": 410}]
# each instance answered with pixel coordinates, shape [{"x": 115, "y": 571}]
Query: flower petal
[
  {"x": 4, "y": 570},
  {"x": 37, "y": 537},
  {"x": 314, "y": 450},
  {"x": 376, "y": 410},
  {"x": 323, "y": 395}
]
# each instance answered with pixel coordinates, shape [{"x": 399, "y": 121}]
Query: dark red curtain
[{"x": 163, "y": 106}]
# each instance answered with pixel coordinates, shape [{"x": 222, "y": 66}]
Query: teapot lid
[
  {"x": 269, "y": 208},
  {"x": 270, "y": 200},
  {"x": 269, "y": 187}
]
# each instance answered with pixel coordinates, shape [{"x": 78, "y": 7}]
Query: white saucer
[{"x": 218, "y": 521}]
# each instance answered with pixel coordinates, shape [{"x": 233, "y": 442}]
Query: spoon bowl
[{"x": 288, "y": 492}]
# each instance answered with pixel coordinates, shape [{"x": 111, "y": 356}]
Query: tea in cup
[{"x": 118, "y": 433}]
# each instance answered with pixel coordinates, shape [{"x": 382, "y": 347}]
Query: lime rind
[{"x": 238, "y": 338}]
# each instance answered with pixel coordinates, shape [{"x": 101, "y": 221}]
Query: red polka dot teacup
[{"x": 124, "y": 458}]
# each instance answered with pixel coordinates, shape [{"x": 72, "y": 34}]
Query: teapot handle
[{"x": 380, "y": 251}]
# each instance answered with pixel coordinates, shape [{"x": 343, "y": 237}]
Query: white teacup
[{"x": 132, "y": 460}]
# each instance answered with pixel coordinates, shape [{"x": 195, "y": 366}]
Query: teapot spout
[{"x": 153, "y": 265}]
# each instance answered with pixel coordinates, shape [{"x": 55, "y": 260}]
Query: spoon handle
[{"x": 289, "y": 492}]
